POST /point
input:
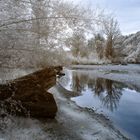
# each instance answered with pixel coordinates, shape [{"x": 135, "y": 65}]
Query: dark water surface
[{"x": 119, "y": 101}]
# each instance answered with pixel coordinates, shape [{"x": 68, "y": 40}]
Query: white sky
[{"x": 127, "y": 12}]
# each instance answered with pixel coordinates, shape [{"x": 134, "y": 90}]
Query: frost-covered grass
[
  {"x": 92, "y": 59},
  {"x": 34, "y": 58}
]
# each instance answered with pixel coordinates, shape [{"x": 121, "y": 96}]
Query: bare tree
[
  {"x": 76, "y": 43},
  {"x": 99, "y": 45},
  {"x": 49, "y": 25},
  {"x": 112, "y": 31},
  {"x": 26, "y": 24}
]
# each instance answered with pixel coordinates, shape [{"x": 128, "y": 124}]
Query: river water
[{"x": 120, "y": 102}]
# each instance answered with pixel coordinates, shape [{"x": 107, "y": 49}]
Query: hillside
[{"x": 128, "y": 48}]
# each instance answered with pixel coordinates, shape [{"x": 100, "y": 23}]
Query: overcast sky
[{"x": 127, "y": 12}]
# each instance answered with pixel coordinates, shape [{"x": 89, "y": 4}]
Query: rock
[
  {"x": 123, "y": 63},
  {"x": 31, "y": 92},
  {"x": 60, "y": 75}
]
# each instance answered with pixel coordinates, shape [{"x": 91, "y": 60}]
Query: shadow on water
[{"x": 119, "y": 101}]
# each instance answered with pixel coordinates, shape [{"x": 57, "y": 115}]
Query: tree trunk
[{"x": 109, "y": 48}]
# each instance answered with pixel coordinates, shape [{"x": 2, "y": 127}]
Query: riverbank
[{"x": 71, "y": 122}]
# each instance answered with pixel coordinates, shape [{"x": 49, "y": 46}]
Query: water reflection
[
  {"x": 114, "y": 99},
  {"x": 79, "y": 82},
  {"x": 108, "y": 92},
  {"x": 113, "y": 95}
]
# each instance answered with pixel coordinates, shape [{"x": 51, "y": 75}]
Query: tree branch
[{"x": 33, "y": 19}]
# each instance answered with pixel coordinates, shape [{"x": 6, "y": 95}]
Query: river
[{"x": 118, "y": 101}]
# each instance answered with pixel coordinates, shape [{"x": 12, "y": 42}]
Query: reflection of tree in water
[
  {"x": 75, "y": 85},
  {"x": 109, "y": 92},
  {"x": 78, "y": 82},
  {"x": 91, "y": 83},
  {"x": 99, "y": 87},
  {"x": 113, "y": 95}
]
